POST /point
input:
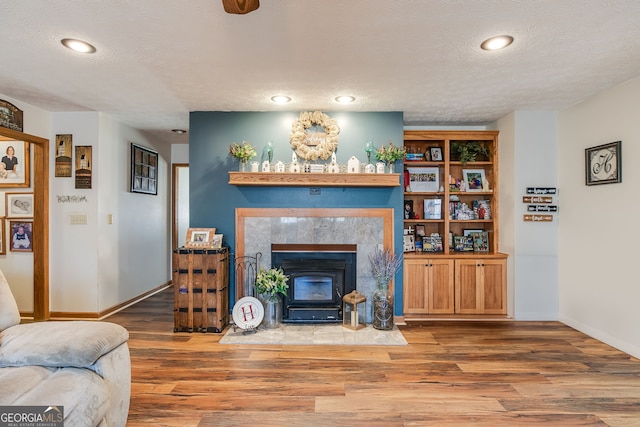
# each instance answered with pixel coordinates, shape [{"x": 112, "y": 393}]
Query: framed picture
[
  {"x": 471, "y": 232},
  {"x": 64, "y": 155},
  {"x": 216, "y": 242},
  {"x": 408, "y": 209},
  {"x": 200, "y": 238},
  {"x": 436, "y": 154},
  {"x": 21, "y": 236},
  {"x": 603, "y": 164},
  {"x": 144, "y": 170},
  {"x": 473, "y": 179},
  {"x": 14, "y": 168},
  {"x": 420, "y": 230},
  {"x": 19, "y": 205},
  {"x": 3, "y": 245},
  {"x": 84, "y": 166},
  {"x": 409, "y": 243},
  {"x": 424, "y": 179}
]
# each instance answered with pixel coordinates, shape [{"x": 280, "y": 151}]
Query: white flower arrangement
[{"x": 298, "y": 135}]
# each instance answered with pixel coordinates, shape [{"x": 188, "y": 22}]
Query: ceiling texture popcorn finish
[{"x": 157, "y": 60}]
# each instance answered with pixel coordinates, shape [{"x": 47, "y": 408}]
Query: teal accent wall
[{"x": 213, "y": 201}]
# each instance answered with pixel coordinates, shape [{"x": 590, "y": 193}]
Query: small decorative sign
[
  {"x": 10, "y": 116},
  {"x": 64, "y": 145},
  {"x": 542, "y": 190},
  {"x": 83, "y": 166},
  {"x": 538, "y": 218},
  {"x": 537, "y": 199},
  {"x": 542, "y": 208}
]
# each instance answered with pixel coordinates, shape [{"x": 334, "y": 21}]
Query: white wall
[
  {"x": 598, "y": 243},
  {"x": 18, "y": 266},
  {"x": 99, "y": 265},
  {"x": 96, "y": 266},
  {"x": 536, "y": 249}
]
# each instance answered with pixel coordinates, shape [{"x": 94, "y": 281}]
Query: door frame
[{"x": 40, "y": 149}]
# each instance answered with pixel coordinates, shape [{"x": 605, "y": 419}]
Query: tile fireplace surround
[{"x": 258, "y": 228}]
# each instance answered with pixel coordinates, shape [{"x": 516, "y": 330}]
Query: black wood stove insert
[{"x": 319, "y": 276}]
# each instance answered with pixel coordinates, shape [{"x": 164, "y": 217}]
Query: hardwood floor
[{"x": 450, "y": 374}]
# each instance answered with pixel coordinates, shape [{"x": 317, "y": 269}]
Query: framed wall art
[
  {"x": 14, "y": 168},
  {"x": 21, "y": 235},
  {"x": 64, "y": 155},
  {"x": 19, "y": 205},
  {"x": 603, "y": 164},
  {"x": 84, "y": 165},
  {"x": 144, "y": 170}
]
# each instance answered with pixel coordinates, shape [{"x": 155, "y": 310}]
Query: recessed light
[
  {"x": 178, "y": 131},
  {"x": 497, "y": 42},
  {"x": 280, "y": 99},
  {"x": 78, "y": 45},
  {"x": 345, "y": 99}
]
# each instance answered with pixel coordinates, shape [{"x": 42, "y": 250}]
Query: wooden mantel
[{"x": 314, "y": 179}]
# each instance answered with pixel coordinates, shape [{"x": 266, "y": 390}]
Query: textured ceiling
[{"x": 157, "y": 60}]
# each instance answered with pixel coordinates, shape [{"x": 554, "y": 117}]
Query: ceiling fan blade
[{"x": 240, "y": 7}]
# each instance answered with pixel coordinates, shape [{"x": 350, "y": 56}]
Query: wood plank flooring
[{"x": 450, "y": 374}]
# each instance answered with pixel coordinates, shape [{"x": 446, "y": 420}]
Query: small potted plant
[
  {"x": 243, "y": 152},
  {"x": 469, "y": 151},
  {"x": 270, "y": 285},
  {"x": 390, "y": 154}
]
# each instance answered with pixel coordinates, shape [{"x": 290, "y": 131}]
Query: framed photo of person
[
  {"x": 436, "y": 154},
  {"x": 21, "y": 236},
  {"x": 14, "y": 167},
  {"x": 19, "y": 205},
  {"x": 473, "y": 179}
]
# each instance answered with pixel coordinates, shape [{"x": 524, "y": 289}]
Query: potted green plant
[
  {"x": 468, "y": 151},
  {"x": 243, "y": 152},
  {"x": 390, "y": 154},
  {"x": 270, "y": 285}
]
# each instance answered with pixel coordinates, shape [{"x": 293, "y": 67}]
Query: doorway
[{"x": 180, "y": 204}]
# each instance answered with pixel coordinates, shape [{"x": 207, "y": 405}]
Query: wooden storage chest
[{"x": 201, "y": 289}]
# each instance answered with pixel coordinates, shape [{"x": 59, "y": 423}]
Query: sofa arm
[{"x": 59, "y": 344}]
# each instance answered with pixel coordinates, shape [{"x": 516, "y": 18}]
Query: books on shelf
[{"x": 432, "y": 209}]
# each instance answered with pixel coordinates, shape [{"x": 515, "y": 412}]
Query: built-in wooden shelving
[{"x": 314, "y": 179}]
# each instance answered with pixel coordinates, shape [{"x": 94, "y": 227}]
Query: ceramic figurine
[
  {"x": 333, "y": 167},
  {"x": 266, "y": 167}
]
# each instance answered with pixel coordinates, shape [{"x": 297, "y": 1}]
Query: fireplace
[{"x": 319, "y": 276}]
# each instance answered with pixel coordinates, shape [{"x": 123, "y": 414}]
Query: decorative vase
[
  {"x": 391, "y": 167},
  {"x": 383, "y": 307},
  {"x": 243, "y": 166},
  {"x": 272, "y": 311}
]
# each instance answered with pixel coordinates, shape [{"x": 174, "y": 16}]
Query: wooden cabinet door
[
  {"x": 440, "y": 281},
  {"x": 428, "y": 286},
  {"x": 494, "y": 284},
  {"x": 480, "y": 286},
  {"x": 415, "y": 287}
]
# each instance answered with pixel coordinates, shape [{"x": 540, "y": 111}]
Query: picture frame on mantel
[{"x": 603, "y": 164}]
